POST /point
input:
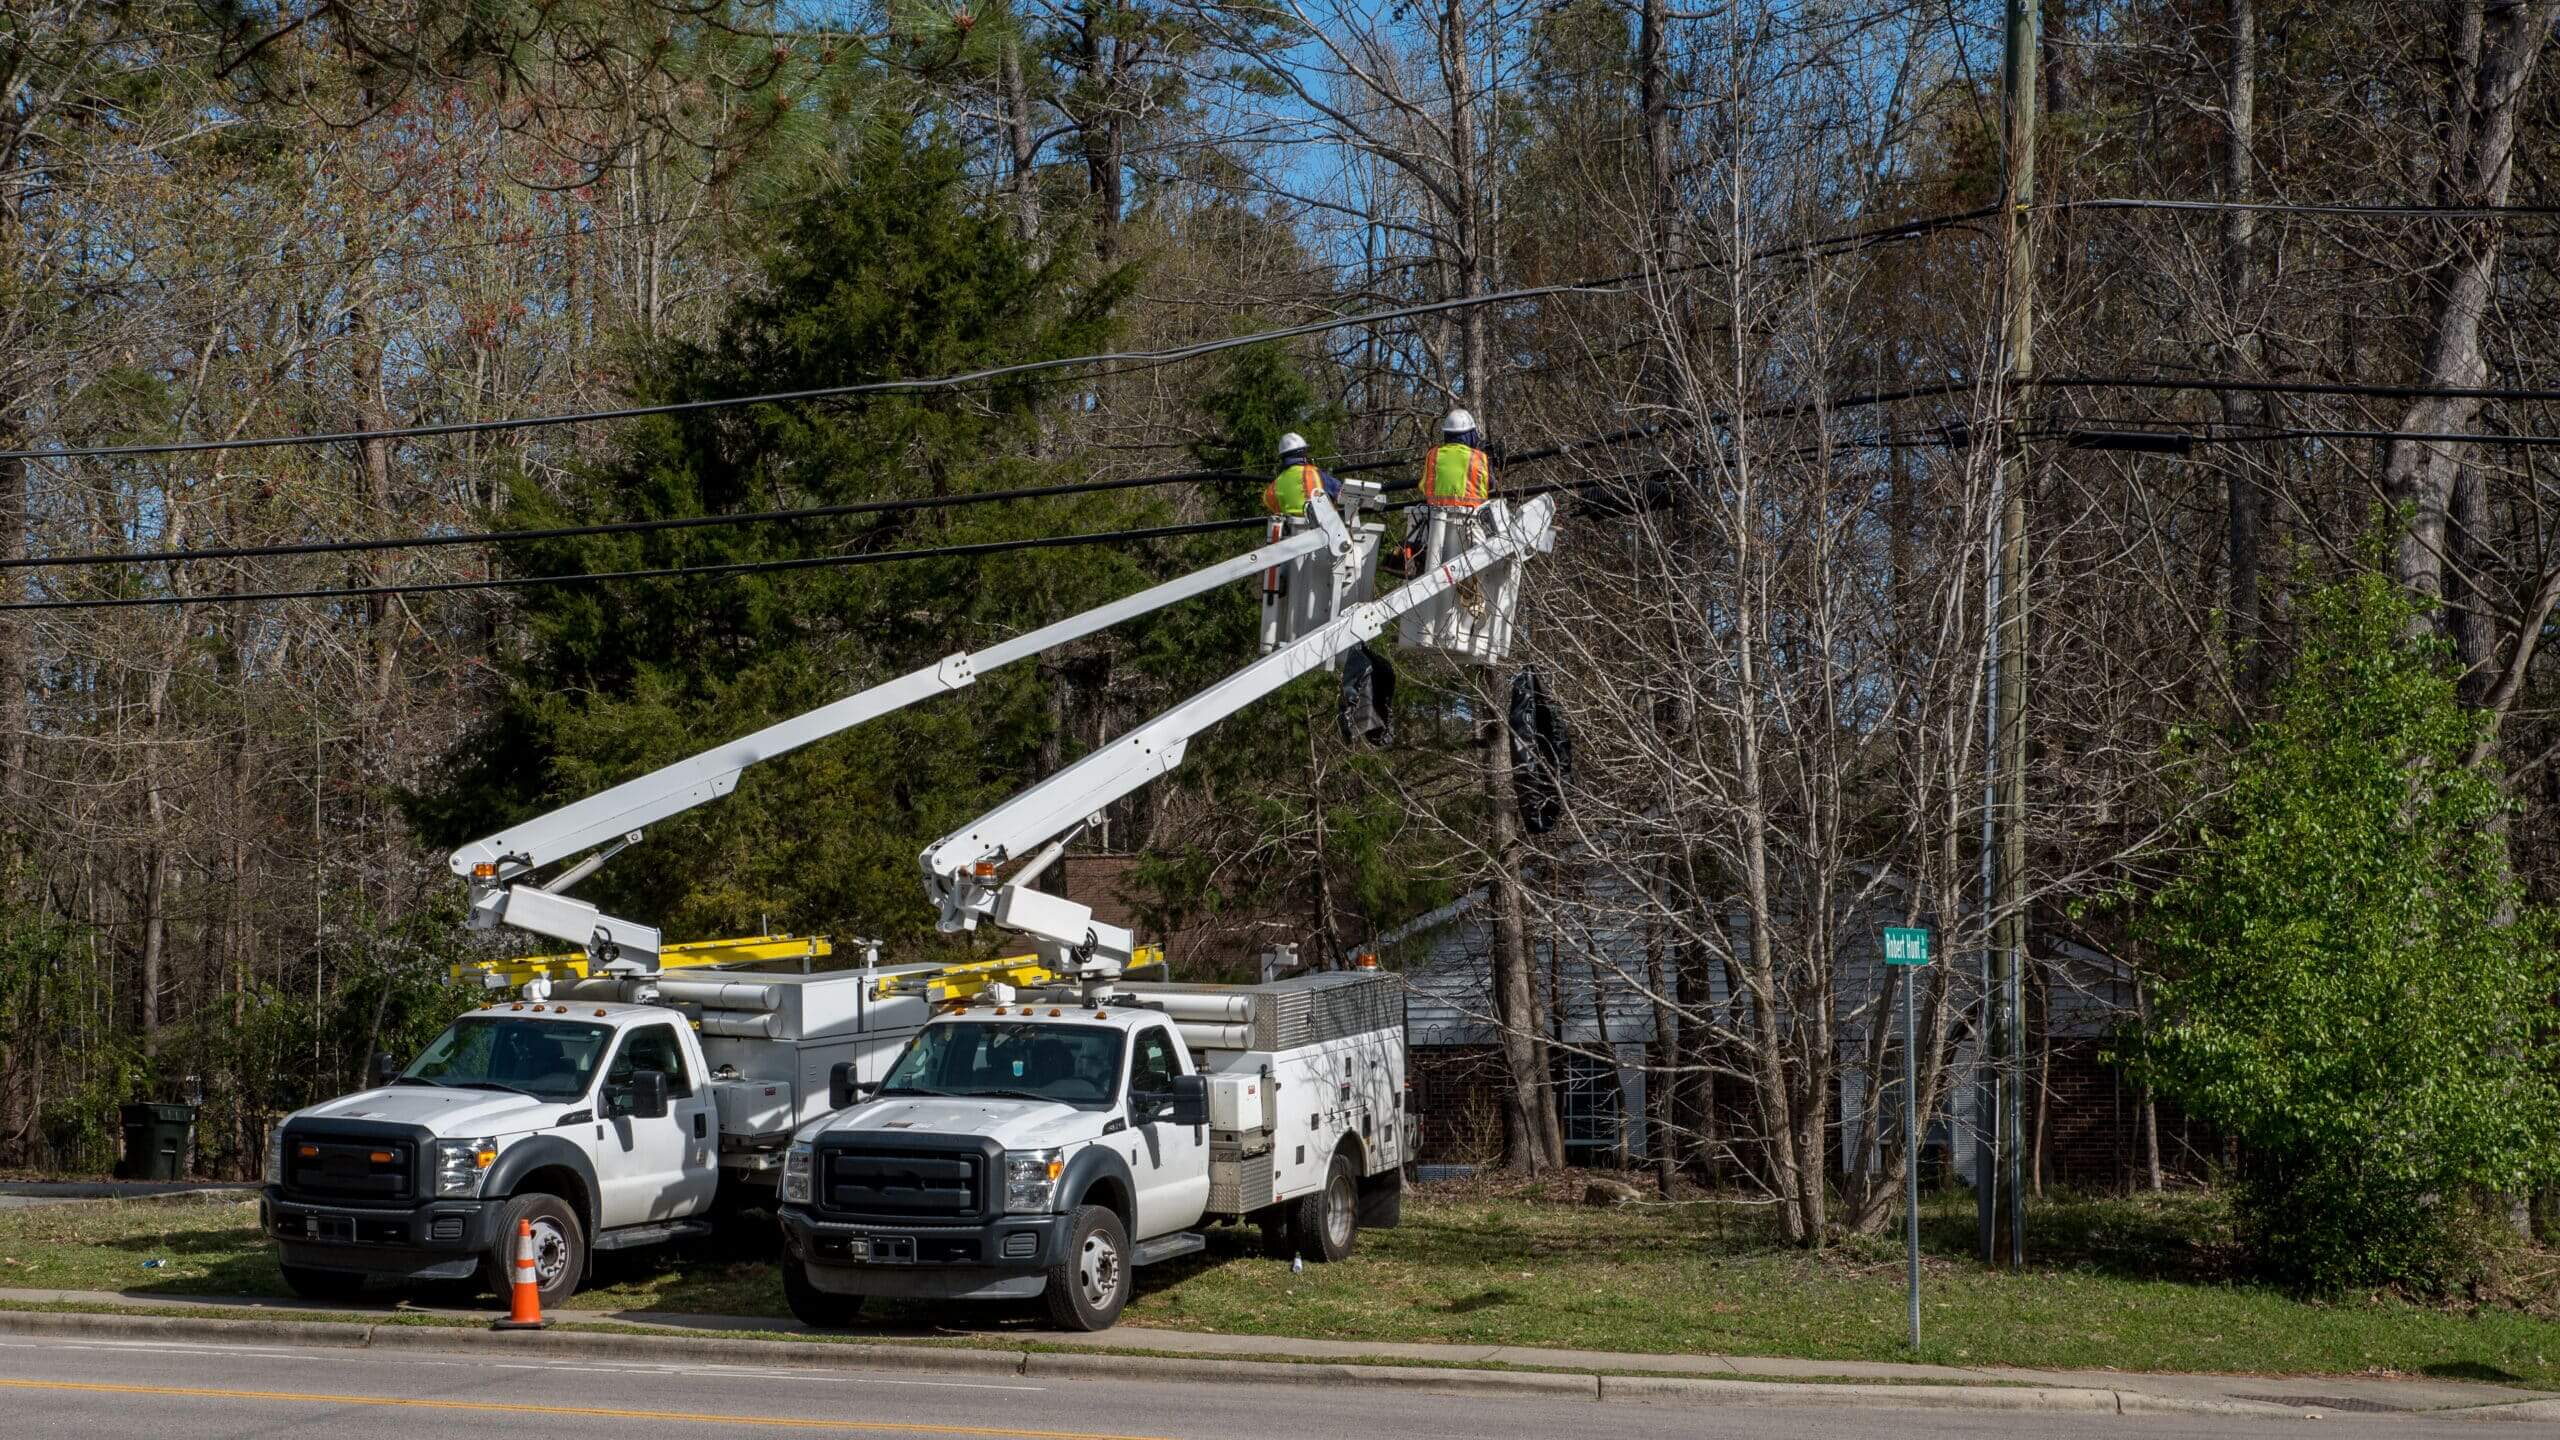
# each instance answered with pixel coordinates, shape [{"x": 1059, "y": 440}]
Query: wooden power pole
[{"x": 2002, "y": 1157}]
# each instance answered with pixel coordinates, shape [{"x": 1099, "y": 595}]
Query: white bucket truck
[
  {"x": 608, "y": 1111},
  {"x": 1047, "y": 1143}
]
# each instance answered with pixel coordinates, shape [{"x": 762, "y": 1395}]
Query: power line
[
  {"x": 2286, "y": 387},
  {"x": 669, "y": 572},
  {"x": 2294, "y": 207},
  {"x": 1132, "y": 360},
  {"x": 1127, "y": 360},
  {"x": 620, "y": 527}
]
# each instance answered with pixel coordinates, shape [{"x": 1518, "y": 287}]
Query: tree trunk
[
  {"x": 2491, "y": 58},
  {"x": 2246, "y": 521}
]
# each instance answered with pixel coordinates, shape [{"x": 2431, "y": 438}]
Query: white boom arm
[
  {"x": 960, "y": 868},
  {"x": 496, "y": 865}
]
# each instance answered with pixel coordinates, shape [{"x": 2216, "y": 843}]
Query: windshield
[
  {"x": 1074, "y": 1064},
  {"x": 547, "y": 1059}
]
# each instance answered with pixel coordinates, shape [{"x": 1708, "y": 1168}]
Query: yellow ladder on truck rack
[
  {"x": 692, "y": 955},
  {"x": 970, "y": 979}
]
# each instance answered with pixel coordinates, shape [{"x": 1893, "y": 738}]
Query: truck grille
[
  {"x": 326, "y": 1167},
  {"x": 934, "y": 1184}
]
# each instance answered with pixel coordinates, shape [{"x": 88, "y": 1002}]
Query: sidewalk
[{"x": 2234, "y": 1394}]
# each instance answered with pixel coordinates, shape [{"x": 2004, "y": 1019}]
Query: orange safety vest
[
  {"x": 1288, "y": 491},
  {"x": 1458, "y": 475}
]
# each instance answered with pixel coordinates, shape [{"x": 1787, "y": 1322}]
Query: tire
[
  {"x": 1327, "y": 1222},
  {"x": 1089, "y": 1286},
  {"x": 559, "y": 1248},
  {"x": 313, "y": 1284},
  {"x": 813, "y": 1307}
]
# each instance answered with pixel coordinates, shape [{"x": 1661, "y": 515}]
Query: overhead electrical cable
[
  {"x": 668, "y": 572},
  {"x": 1123, "y": 361},
  {"x": 622, "y": 527},
  {"x": 2286, "y": 387}
]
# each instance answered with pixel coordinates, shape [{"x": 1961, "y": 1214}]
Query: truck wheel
[
  {"x": 313, "y": 1284},
  {"x": 813, "y": 1307},
  {"x": 1328, "y": 1221},
  {"x": 1087, "y": 1288},
  {"x": 559, "y": 1249}
]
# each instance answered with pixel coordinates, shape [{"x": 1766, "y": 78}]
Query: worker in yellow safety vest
[
  {"x": 1458, "y": 473},
  {"x": 1299, "y": 478}
]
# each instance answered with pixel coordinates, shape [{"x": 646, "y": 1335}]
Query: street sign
[
  {"x": 1910, "y": 947},
  {"x": 1905, "y": 947}
]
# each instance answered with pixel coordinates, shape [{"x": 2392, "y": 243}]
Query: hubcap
[
  {"x": 550, "y": 1252},
  {"x": 1098, "y": 1270},
  {"x": 1338, "y": 1204}
]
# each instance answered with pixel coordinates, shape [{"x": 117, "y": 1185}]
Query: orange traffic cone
[{"x": 525, "y": 1298}]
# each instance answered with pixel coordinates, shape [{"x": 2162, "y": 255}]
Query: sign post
[{"x": 1908, "y": 950}]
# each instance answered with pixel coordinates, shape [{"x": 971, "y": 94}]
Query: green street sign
[{"x": 1905, "y": 947}]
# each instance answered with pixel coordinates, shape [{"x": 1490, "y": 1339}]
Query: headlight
[
  {"x": 1031, "y": 1180},
  {"x": 275, "y": 1155},
  {"x": 460, "y": 1166},
  {"x": 797, "y": 1163}
]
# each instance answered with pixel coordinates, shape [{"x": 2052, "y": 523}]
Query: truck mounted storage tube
[
  {"x": 1200, "y": 1036},
  {"x": 738, "y": 1025},
  {"x": 1216, "y": 1008},
  {"x": 720, "y": 994}
]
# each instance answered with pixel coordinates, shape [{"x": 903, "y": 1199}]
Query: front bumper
[
  {"x": 436, "y": 1240},
  {"x": 1006, "y": 1258}
]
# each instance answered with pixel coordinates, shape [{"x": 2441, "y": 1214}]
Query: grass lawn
[{"x": 2132, "y": 1284}]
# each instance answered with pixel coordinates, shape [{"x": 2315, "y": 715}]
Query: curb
[{"x": 1089, "y": 1365}]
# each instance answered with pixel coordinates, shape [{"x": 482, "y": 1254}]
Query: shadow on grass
[
  {"x": 2470, "y": 1370},
  {"x": 215, "y": 1260},
  {"x": 1481, "y": 1300}
]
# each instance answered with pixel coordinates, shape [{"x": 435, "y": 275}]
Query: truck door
[
  {"x": 664, "y": 1168},
  {"x": 1169, "y": 1162}
]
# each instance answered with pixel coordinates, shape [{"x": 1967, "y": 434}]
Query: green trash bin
[{"x": 155, "y": 1141}]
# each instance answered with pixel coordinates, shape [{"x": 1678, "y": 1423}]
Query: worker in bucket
[
  {"x": 1299, "y": 478},
  {"x": 1457, "y": 478},
  {"x": 1458, "y": 474}
]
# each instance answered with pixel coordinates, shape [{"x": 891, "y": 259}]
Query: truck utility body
[{"x": 1045, "y": 1147}]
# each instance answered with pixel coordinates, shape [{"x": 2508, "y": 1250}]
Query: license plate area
[
  {"x": 340, "y": 1228},
  {"x": 884, "y": 1249}
]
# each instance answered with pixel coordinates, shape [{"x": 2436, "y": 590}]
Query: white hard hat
[
  {"x": 1458, "y": 423},
  {"x": 1292, "y": 443}
]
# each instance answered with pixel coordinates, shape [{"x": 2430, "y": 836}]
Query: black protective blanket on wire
[{"x": 1541, "y": 754}]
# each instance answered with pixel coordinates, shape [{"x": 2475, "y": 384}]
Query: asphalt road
[{"x": 59, "y": 1386}]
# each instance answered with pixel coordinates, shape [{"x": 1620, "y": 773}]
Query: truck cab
[
  {"x": 1009, "y": 1148},
  {"x": 594, "y": 1123},
  {"x": 1046, "y": 1149}
]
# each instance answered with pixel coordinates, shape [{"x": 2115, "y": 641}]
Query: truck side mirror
[
  {"x": 840, "y": 1085},
  {"x": 642, "y": 1097},
  {"x": 384, "y": 1069},
  {"x": 1190, "y": 1100}
]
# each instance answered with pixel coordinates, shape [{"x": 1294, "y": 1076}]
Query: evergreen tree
[{"x": 894, "y": 273}]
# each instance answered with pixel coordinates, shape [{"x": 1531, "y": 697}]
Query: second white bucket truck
[{"x": 1045, "y": 1142}]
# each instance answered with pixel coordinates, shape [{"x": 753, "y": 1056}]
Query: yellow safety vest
[
  {"x": 1288, "y": 492},
  {"x": 1458, "y": 475}
]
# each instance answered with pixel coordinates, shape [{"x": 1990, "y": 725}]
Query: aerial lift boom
[
  {"x": 500, "y": 866},
  {"x": 960, "y": 869}
]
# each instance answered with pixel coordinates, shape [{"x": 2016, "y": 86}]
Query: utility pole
[{"x": 2004, "y": 996}]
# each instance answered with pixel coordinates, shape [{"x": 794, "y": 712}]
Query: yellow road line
[{"x": 574, "y": 1411}]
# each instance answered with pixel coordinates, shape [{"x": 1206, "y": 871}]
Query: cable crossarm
[
  {"x": 497, "y": 865},
  {"x": 960, "y": 869}
]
